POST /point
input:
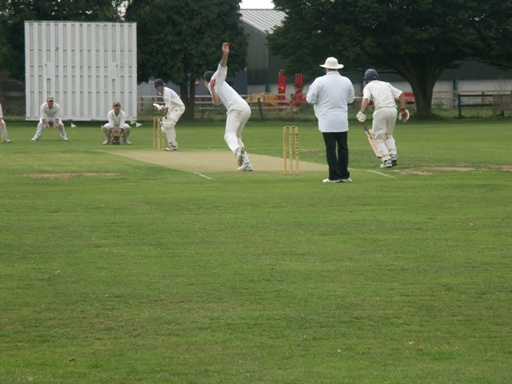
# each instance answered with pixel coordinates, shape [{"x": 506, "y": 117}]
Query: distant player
[
  {"x": 238, "y": 111},
  {"x": 384, "y": 97},
  {"x": 3, "y": 127},
  {"x": 174, "y": 108},
  {"x": 116, "y": 126},
  {"x": 50, "y": 116}
]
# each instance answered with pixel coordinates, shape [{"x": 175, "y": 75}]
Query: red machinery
[
  {"x": 281, "y": 86},
  {"x": 298, "y": 97}
]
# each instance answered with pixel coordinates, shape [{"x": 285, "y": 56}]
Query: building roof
[{"x": 263, "y": 20}]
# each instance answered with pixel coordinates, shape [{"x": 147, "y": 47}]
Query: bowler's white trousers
[{"x": 237, "y": 117}]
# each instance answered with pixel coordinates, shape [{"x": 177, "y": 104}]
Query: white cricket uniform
[
  {"x": 331, "y": 110},
  {"x": 116, "y": 122},
  {"x": 3, "y": 127},
  {"x": 238, "y": 111},
  {"x": 176, "y": 109},
  {"x": 383, "y": 96},
  {"x": 51, "y": 115}
]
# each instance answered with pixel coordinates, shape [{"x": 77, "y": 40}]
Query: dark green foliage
[
  {"x": 179, "y": 40},
  {"x": 418, "y": 39}
]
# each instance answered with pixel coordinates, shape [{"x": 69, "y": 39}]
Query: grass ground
[{"x": 117, "y": 271}]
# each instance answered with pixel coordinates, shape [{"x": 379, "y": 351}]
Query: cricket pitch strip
[{"x": 212, "y": 161}]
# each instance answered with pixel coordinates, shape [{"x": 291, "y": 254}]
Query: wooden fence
[{"x": 268, "y": 103}]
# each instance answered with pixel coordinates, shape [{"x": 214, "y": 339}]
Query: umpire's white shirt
[{"x": 330, "y": 96}]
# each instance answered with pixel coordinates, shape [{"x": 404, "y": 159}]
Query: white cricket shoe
[
  {"x": 35, "y": 138},
  {"x": 330, "y": 181},
  {"x": 127, "y": 142},
  {"x": 347, "y": 180},
  {"x": 6, "y": 140},
  {"x": 171, "y": 148},
  {"x": 106, "y": 142},
  {"x": 246, "y": 168},
  {"x": 386, "y": 164},
  {"x": 64, "y": 139}
]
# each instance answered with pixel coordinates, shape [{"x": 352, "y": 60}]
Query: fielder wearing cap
[
  {"x": 384, "y": 97},
  {"x": 330, "y": 95},
  {"x": 50, "y": 116}
]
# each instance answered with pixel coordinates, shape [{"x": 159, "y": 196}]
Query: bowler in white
[{"x": 238, "y": 111}]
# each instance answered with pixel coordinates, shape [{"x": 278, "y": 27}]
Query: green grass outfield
[{"x": 130, "y": 272}]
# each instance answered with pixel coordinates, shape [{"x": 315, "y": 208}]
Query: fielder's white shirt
[
  {"x": 50, "y": 114},
  {"x": 1, "y": 113},
  {"x": 381, "y": 93},
  {"x": 330, "y": 96},
  {"x": 170, "y": 98},
  {"x": 227, "y": 95},
  {"x": 117, "y": 121}
]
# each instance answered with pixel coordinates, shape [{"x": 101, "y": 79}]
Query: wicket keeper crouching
[{"x": 116, "y": 126}]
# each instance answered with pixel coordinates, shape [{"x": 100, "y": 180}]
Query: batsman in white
[
  {"x": 174, "y": 107},
  {"x": 238, "y": 111},
  {"x": 384, "y": 97},
  {"x": 3, "y": 127},
  {"x": 50, "y": 112},
  {"x": 116, "y": 126}
]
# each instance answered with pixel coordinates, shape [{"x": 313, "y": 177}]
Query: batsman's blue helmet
[
  {"x": 159, "y": 82},
  {"x": 370, "y": 74}
]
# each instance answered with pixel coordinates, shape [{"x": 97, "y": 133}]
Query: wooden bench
[{"x": 501, "y": 104}]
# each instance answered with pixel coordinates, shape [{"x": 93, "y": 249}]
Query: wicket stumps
[
  {"x": 291, "y": 149},
  {"x": 158, "y": 135}
]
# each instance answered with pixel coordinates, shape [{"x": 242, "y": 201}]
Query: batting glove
[
  {"x": 404, "y": 115},
  {"x": 157, "y": 106},
  {"x": 361, "y": 117}
]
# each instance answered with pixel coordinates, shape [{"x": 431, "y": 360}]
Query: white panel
[{"x": 85, "y": 66}]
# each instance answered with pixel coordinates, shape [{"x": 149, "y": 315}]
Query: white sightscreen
[{"x": 84, "y": 66}]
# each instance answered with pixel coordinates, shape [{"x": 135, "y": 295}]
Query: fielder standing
[
  {"x": 384, "y": 97},
  {"x": 116, "y": 126},
  {"x": 50, "y": 112},
  {"x": 3, "y": 127},
  {"x": 238, "y": 111},
  {"x": 174, "y": 107},
  {"x": 330, "y": 94}
]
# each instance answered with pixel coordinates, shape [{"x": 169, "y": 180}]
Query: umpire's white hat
[{"x": 331, "y": 63}]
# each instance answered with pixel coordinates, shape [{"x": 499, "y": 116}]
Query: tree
[
  {"x": 14, "y": 13},
  {"x": 178, "y": 40},
  {"x": 418, "y": 39}
]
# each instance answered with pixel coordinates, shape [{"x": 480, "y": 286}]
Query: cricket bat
[{"x": 371, "y": 141}]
